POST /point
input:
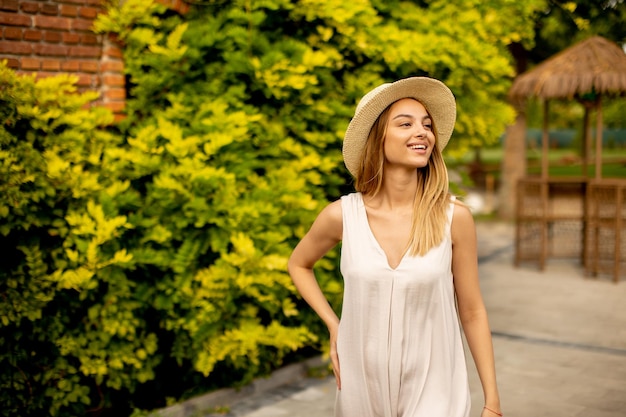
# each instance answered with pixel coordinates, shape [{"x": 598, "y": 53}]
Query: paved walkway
[{"x": 559, "y": 338}]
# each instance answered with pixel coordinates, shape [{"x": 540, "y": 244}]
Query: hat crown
[{"x": 370, "y": 95}]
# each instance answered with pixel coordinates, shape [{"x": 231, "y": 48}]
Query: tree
[{"x": 558, "y": 26}]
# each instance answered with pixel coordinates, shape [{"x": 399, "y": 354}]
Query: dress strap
[{"x": 450, "y": 212}]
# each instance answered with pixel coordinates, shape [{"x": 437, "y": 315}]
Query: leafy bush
[{"x": 59, "y": 246}]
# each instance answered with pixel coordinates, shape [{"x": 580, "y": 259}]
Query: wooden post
[
  {"x": 586, "y": 139},
  {"x": 545, "y": 197},
  {"x": 599, "y": 137},
  {"x": 545, "y": 139},
  {"x": 596, "y": 230},
  {"x": 545, "y": 188}
]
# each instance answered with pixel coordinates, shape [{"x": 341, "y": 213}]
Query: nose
[{"x": 420, "y": 131}]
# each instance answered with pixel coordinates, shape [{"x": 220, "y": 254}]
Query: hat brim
[{"x": 433, "y": 94}]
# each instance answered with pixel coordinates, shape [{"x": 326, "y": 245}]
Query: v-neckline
[{"x": 375, "y": 240}]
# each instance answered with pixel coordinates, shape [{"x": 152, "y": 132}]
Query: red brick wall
[{"x": 49, "y": 37}]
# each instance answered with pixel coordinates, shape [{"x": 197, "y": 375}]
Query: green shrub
[
  {"x": 128, "y": 257},
  {"x": 55, "y": 262}
]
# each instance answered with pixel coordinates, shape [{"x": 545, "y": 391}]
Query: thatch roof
[{"x": 594, "y": 65}]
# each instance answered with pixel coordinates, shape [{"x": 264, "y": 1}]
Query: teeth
[{"x": 418, "y": 146}]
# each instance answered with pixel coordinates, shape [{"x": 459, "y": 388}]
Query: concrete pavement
[{"x": 559, "y": 338}]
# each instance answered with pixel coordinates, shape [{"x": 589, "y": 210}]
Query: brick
[
  {"x": 84, "y": 80},
  {"x": 50, "y": 65},
  {"x": 114, "y": 40},
  {"x": 50, "y": 9},
  {"x": 94, "y": 80},
  {"x": 96, "y": 3},
  {"x": 29, "y": 7},
  {"x": 176, "y": 5},
  {"x": 113, "y": 80},
  {"x": 71, "y": 38},
  {"x": 85, "y": 51},
  {"x": 68, "y": 11},
  {"x": 112, "y": 66},
  {"x": 50, "y": 50},
  {"x": 15, "y": 47},
  {"x": 53, "y": 37},
  {"x": 50, "y": 22},
  {"x": 113, "y": 52},
  {"x": 9, "y": 5},
  {"x": 89, "y": 66},
  {"x": 118, "y": 117},
  {"x": 12, "y": 63},
  {"x": 115, "y": 106},
  {"x": 70, "y": 66},
  {"x": 30, "y": 64},
  {"x": 13, "y": 33},
  {"x": 88, "y": 12},
  {"x": 112, "y": 94},
  {"x": 89, "y": 39},
  {"x": 32, "y": 35},
  {"x": 82, "y": 24},
  {"x": 13, "y": 19}
]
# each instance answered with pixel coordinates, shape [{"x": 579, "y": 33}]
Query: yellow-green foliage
[
  {"x": 124, "y": 253},
  {"x": 59, "y": 248}
]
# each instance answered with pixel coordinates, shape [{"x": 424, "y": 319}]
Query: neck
[{"x": 397, "y": 191}]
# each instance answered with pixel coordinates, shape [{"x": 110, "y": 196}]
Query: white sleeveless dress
[{"x": 399, "y": 342}]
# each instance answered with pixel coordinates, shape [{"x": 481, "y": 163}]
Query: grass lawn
[{"x": 561, "y": 162}]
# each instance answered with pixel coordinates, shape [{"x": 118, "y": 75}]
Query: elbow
[
  {"x": 469, "y": 317},
  {"x": 294, "y": 266},
  {"x": 291, "y": 266}
]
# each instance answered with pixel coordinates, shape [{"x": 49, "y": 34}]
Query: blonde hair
[{"x": 431, "y": 197}]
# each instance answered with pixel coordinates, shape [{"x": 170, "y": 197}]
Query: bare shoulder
[
  {"x": 333, "y": 212},
  {"x": 329, "y": 221},
  {"x": 463, "y": 225},
  {"x": 325, "y": 232}
]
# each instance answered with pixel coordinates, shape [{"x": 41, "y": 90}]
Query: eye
[{"x": 428, "y": 124}]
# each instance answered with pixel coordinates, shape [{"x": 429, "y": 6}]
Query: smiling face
[{"x": 409, "y": 139}]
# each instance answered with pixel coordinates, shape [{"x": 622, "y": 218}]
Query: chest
[{"x": 392, "y": 231}]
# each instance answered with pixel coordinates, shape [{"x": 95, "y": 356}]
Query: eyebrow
[{"x": 410, "y": 116}]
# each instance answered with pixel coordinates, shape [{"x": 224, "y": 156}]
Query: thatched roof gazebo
[
  {"x": 585, "y": 72},
  {"x": 587, "y": 214}
]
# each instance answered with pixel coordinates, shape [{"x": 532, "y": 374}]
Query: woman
[{"x": 408, "y": 253}]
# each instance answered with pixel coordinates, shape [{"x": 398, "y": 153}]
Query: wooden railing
[
  {"x": 606, "y": 227},
  {"x": 576, "y": 218}
]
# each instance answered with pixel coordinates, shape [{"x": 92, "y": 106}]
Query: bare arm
[
  {"x": 472, "y": 311},
  {"x": 324, "y": 234}
]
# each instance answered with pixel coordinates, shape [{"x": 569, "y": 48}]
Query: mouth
[{"x": 417, "y": 147}]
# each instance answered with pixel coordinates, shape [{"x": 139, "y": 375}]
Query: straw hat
[{"x": 433, "y": 94}]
